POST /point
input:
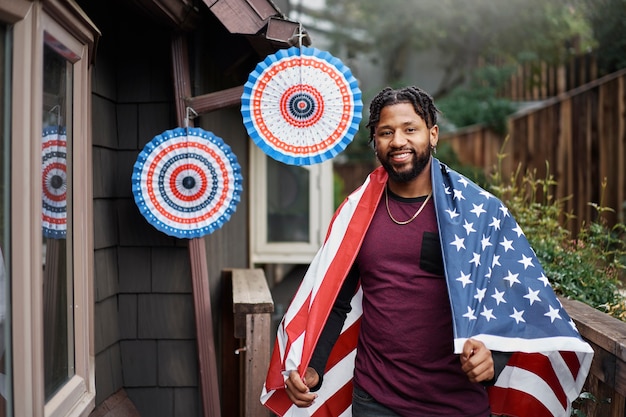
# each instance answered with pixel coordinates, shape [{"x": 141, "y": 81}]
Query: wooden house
[{"x": 108, "y": 304}]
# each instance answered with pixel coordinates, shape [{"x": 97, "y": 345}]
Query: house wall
[{"x": 144, "y": 311}]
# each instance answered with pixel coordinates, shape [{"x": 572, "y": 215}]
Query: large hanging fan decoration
[
  {"x": 54, "y": 182},
  {"x": 187, "y": 182},
  {"x": 301, "y": 106}
]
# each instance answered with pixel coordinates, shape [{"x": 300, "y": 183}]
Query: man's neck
[{"x": 418, "y": 187}]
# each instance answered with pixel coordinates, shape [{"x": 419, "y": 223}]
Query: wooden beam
[
  {"x": 215, "y": 101},
  {"x": 209, "y": 388}
]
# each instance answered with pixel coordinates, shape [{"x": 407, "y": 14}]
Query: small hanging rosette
[
  {"x": 187, "y": 182},
  {"x": 301, "y": 106}
]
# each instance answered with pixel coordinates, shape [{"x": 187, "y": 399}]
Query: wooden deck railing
[
  {"x": 607, "y": 377},
  {"x": 246, "y": 341},
  {"x": 246, "y": 344}
]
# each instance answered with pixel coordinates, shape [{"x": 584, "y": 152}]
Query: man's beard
[{"x": 418, "y": 163}]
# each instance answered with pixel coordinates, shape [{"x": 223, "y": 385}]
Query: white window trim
[
  {"x": 74, "y": 30},
  {"x": 320, "y": 209}
]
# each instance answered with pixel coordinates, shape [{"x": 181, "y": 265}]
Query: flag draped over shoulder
[{"x": 498, "y": 292}]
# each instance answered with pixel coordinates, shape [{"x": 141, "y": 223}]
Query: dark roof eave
[{"x": 258, "y": 18}]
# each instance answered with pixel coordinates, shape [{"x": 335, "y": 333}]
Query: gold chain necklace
[{"x": 417, "y": 213}]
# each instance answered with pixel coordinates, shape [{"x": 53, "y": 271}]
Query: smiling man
[{"x": 417, "y": 303}]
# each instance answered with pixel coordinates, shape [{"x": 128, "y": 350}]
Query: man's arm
[
  {"x": 333, "y": 326},
  {"x": 300, "y": 390},
  {"x": 482, "y": 365}
]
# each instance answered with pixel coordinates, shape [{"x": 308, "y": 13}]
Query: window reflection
[
  {"x": 56, "y": 217},
  {"x": 287, "y": 202}
]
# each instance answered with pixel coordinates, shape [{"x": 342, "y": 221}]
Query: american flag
[{"x": 499, "y": 294}]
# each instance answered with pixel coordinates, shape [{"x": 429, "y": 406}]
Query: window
[
  {"x": 5, "y": 223},
  {"x": 50, "y": 180},
  {"x": 290, "y": 210},
  {"x": 58, "y": 280}
]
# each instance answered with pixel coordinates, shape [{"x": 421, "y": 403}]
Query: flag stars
[
  {"x": 504, "y": 210},
  {"x": 485, "y": 242},
  {"x": 478, "y": 209},
  {"x": 487, "y": 313},
  {"x": 475, "y": 260},
  {"x": 495, "y": 261},
  {"x": 485, "y": 194},
  {"x": 532, "y": 296},
  {"x": 458, "y": 194},
  {"x": 526, "y": 261},
  {"x": 518, "y": 230},
  {"x": 480, "y": 294},
  {"x": 469, "y": 227},
  {"x": 512, "y": 278},
  {"x": 463, "y": 181},
  {"x": 470, "y": 313},
  {"x": 495, "y": 223},
  {"x": 465, "y": 279},
  {"x": 553, "y": 314},
  {"x": 458, "y": 242},
  {"x": 452, "y": 213},
  {"x": 544, "y": 279},
  {"x": 517, "y": 315},
  {"x": 507, "y": 244},
  {"x": 498, "y": 296}
]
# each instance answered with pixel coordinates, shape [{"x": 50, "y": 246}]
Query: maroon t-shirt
[{"x": 405, "y": 356}]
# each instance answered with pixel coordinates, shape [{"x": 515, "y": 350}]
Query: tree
[
  {"x": 465, "y": 32},
  {"x": 608, "y": 22}
]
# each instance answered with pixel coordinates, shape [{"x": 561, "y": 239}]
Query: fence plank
[{"x": 580, "y": 134}]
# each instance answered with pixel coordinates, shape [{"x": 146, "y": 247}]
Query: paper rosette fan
[
  {"x": 187, "y": 182},
  {"x": 301, "y": 106},
  {"x": 54, "y": 182}
]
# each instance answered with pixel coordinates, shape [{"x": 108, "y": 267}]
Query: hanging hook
[
  {"x": 56, "y": 113},
  {"x": 189, "y": 110}
]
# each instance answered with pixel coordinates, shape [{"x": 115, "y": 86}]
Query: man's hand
[
  {"x": 476, "y": 361},
  {"x": 298, "y": 389}
]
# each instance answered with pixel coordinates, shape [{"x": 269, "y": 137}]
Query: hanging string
[
  {"x": 187, "y": 183},
  {"x": 56, "y": 111}
]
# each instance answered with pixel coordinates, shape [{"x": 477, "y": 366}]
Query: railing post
[{"x": 247, "y": 340}]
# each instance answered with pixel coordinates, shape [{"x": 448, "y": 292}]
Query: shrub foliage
[{"x": 587, "y": 267}]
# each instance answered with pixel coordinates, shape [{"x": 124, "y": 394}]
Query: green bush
[
  {"x": 586, "y": 267},
  {"x": 478, "y": 102}
]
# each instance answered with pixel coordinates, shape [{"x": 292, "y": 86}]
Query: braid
[{"x": 422, "y": 103}]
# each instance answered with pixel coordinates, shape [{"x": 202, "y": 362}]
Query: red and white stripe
[{"x": 531, "y": 385}]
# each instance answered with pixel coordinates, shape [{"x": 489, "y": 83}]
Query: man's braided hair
[{"x": 422, "y": 103}]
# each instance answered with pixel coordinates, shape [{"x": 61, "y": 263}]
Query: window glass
[
  {"x": 287, "y": 202},
  {"x": 56, "y": 159},
  {"x": 5, "y": 215}
]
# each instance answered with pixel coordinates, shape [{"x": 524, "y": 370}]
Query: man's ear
[{"x": 434, "y": 136}]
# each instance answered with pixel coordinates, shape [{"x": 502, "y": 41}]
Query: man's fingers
[{"x": 297, "y": 391}]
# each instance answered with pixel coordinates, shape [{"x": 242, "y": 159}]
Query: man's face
[{"x": 403, "y": 142}]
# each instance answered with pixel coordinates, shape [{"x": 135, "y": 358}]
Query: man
[{"x": 421, "y": 287}]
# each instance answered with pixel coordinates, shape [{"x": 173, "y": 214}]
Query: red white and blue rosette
[
  {"x": 187, "y": 182},
  {"x": 301, "y": 106},
  {"x": 54, "y": 182}
]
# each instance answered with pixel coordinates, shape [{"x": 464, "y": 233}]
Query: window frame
[
  {"x": 68, "y": 24},
  {"x": 320, "y": 213}
]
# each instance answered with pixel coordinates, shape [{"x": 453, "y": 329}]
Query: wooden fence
[
  {"x": 540, "y": 80},
  {"x": 579, "y": 137}
]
